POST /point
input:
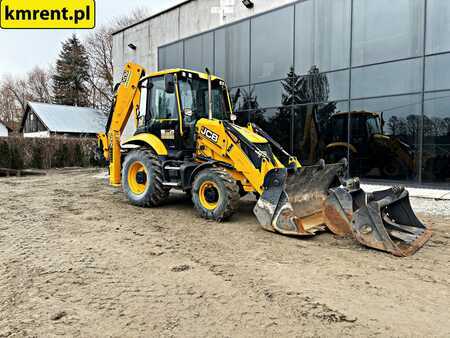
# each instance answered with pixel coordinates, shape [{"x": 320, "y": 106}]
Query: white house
[
  {"x": 4, "y": 129},
  {"x": 45, "y": 120}
]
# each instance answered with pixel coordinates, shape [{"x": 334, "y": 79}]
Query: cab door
[{"x": 160, "y": 105}]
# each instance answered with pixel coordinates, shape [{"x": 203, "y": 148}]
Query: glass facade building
[{"x": 363, "y": 79}]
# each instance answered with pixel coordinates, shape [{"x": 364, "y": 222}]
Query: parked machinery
[{"x": 186, "y": 139}]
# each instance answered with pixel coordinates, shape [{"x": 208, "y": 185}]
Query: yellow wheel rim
[
  {"x": 137, "y": 178},
  {"x": 209, "y": 195}
]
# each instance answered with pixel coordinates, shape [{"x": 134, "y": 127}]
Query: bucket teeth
[
  {"x": 400, "y": 227},
  {"x": 407, "y": 238}
]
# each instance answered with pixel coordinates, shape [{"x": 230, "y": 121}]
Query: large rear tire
[
  {"x": 215, "y": 194},
  {"x": 142, "y": 179}
]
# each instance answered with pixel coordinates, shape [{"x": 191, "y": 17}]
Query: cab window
[
  {"x": 194, "y": 98},
  {"x": 163, "y": 105},
  {"x": 373, "y": 126},
  {"x": 339, "y": 129}
]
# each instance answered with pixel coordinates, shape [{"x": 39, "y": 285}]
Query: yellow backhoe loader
[{"x": 186, "y": 139}]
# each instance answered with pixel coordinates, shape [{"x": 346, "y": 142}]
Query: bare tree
[
  {"x": 99, "y": 45},
  {"x": 9, "y": 107},
  {"x": 15, "y": 92},
  {"x": 36, "y": 85},
  {"x": 39, "y": 85}
]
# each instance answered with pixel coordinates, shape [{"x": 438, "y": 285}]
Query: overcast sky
[{"x": 21, "y": 50}]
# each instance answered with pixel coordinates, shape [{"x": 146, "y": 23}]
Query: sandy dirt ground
[{"x": 77, "y": 260}]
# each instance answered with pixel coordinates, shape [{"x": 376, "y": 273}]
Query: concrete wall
[
  {"x": 3, "y": 131},
  {"x": 186, "y": 20}
]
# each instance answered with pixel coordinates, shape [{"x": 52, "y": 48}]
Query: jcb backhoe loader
[{"x": 186, "y": 139}]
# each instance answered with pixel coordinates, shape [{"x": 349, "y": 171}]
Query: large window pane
[
  {"x": 386, "y": 145},
  {"x": 438, "y": 26},
  {"x": 316, "y": 127},
  {"x": 312, "y": 88},
  {"x": 436, "y": 138},
  {"x": 322, "y": 34},
  {"x": 171, "y": 56},
  {"x": 387, "y": 30},
  {"x": 242, "y": 103},
  {"x": 199, "y": 53},
  {"x": 238, "y": 96},
  {"x": 387, "y": 79},
  {"x": 268, "y": 94},
  {"x": 437, "y": 72},
  {"x": 338, "y": 84},
  {"x": 276, "y": 121},
  {"x": 232, "y": 53},
  {"x": 272, "y": 45}
]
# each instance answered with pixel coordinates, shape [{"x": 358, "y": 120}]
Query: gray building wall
[{"x": 188, "y": 19}]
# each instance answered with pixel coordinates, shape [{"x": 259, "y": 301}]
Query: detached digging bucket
[
  {"x": 318, "y": 197},
  {"x": 387, "y": 222}
]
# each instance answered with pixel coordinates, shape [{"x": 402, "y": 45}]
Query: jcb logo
[
  {"x": 210, "y": 135},
  {"x": 126, "y": 77}
]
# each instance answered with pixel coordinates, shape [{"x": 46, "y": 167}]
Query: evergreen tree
[
  {"x": 69, "y": 82},
  {"x": 305, "y": 97},
  {"x": 292, "y": 86}
]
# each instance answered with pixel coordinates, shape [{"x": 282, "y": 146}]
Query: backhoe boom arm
[{"x": 126, "y": 101}]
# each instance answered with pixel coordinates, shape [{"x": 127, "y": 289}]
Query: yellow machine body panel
[
  {"x": 342, "y": 144},
  {"x": 215, "y": 143},
  {"x": 148, "y": 140},
  {"x": 103, "y": 145},
  {"x": 178, "y": 70},
  {"x": 126, "y": 100}
]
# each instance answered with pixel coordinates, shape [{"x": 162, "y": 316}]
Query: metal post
[
  {"x": 349, "y": 123},
  {"x": 421, "y": 121},
  {"x": 210, "y": 114}
]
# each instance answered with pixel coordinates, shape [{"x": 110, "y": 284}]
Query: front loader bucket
[{"x": 294, "y": 204}]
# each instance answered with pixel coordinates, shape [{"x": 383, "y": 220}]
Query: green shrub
[
  {"x": 16, "y": 157},
  {"x": 37, "y": 158},
  {"x": 5, "y": 157},
  {"x": 61, "y": 156},
  {"x": 79, "y": 156}
]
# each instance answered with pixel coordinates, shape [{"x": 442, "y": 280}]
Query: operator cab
[
  {"x": 364, "y": 125},
  {"x": 173, "y": 101}
]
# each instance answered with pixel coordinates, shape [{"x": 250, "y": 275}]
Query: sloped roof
[{"x": 68, "y": 119}]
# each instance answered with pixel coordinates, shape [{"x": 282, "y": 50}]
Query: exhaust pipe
[{"x": 210, "y": 114}]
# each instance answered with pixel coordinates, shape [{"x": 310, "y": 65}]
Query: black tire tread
[
  {"x": 161, "y": 193},
  {"x": 233, "y": 196}
]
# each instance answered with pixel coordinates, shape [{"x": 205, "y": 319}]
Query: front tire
[
  {"x": 142, "y": 179},
  {"x": 215, "y": 194}
]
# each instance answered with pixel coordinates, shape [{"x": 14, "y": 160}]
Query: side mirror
[{"x": 170, "y": 83}]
